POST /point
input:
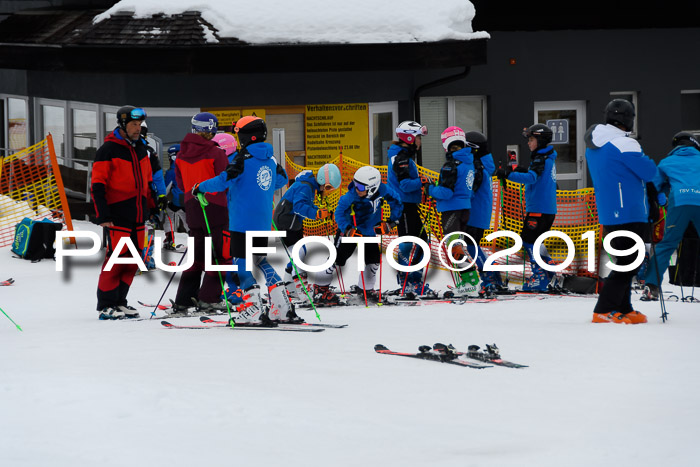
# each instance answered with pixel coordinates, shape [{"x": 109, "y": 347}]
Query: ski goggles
[
  {"x": 359, "y": 186},
  {"x": 137, "y": 114},
  {"x": 422, "y": 131},
  {"x": 327, "y": 187}
]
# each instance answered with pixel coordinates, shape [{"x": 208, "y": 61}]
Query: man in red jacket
[
  {"x": 120, "y": 182},
  {"x": 200, "y": 159}
]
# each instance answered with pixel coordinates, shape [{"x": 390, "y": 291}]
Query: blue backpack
[{"x": 34, "y": 240}]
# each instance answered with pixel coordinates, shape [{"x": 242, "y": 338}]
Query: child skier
[
  {"x": 540, "y": 180},
  {"x": 296, "y": 205},
  {"x": 254, "y": 176},
  {"x": 359, "y": 213},
  {"x": 453, "y": 193}
]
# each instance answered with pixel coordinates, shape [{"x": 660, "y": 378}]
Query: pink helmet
[
  {"x": 226, "y": 142},
  {"x": 451, "y": 135}
]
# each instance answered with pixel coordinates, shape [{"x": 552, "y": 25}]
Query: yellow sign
[
  {"x": 228, "y": 117},
  {"x": 331, "y": 128}
]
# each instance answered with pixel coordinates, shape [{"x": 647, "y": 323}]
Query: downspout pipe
[{"x": 433, "y": 84}]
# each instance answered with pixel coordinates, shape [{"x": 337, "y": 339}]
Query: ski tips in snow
[{"x": 9, "y": 281}]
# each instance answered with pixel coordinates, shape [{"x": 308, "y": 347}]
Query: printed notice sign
[
  {"x": 227, "y": 117},
  {"x": 330, "y": 127}
]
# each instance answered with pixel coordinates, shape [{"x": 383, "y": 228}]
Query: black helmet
[
  {"x": 251, "y": 130},
  {"x": 685, "y": 139},
  {"x": 542, "y": 133},
  {"x": 477, "y": 141},
  {"x": 620, "y": 112},
  {"x": 129, "y": 113}
]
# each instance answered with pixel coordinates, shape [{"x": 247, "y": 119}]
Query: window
[
  {"x": 690, "y": 111},
  {"x": 632, "y": 97},
  {"x": 53, "y": 120},
  {"x": 17, "y": 123},
  {"x": 438, "y": 113},
  {"x": 84, "y": 134}
]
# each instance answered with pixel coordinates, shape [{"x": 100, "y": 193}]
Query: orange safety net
[
  {"x": 31, "y": 186},
  {"x": 576, "y": 215}
]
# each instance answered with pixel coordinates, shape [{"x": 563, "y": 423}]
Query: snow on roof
[{"x": 321, "y": 21}]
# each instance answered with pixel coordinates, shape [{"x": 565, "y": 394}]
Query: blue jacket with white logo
[
  {"x": 482, "y": 201},
  {"x": 679, "y": 177},
  {"x": 540, "y": 180},
  {"x": 368, "y": 211},
  {"x": 250, "y": 193},
  {"x": 454, "y": 188},
  {"x": 402, "y": 175},
  {"x": 619, "y": 170}
]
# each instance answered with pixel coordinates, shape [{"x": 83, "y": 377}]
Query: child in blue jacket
[
  {"x": 540, "y": 180},
  {"x": 359, "y": 213},
  {"x": 250, "y": 183}
]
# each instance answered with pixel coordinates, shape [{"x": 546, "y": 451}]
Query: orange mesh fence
[
  {"x": 31, "y": 186},
  {"x": 576, "y": 215}
]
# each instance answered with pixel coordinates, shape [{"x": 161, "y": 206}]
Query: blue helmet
[
  {"x": 205, "y": 122},
  {"x": 173, "y": 151}
]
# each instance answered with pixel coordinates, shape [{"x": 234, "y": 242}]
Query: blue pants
[{"x": 677, "y": 220}]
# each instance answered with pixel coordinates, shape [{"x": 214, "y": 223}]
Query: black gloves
[
  {"x": 195, "y": 190},
  {"x": 235, "y": 169},
  {"x": 385, "y": 228},
  {"x": 162, "y": 202}
]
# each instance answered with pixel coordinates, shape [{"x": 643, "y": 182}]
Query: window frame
[{"x": 6, "y": 126}]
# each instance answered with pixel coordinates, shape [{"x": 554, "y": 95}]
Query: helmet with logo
[
  {"x": 620, "y": 112},
  {"x": 129, "y": 113},
  {"x": 205, "y": 122},
  {"x": 250, "y": 130},
  {"x": 478, "y": 142},
  {"x": 542, "y": 133},
  {"x": 329, "y": 174},
  {"x": 227, "y": 142},
  {"x": 453, "y": 135},
  {"x": 367, "y": 179},
  {"x": 685, "y": 138},
  {"x": 173, "y": 150},
  {"x": 409, "y": 130}
]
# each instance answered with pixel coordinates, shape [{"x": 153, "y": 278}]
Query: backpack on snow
[{"x": 34, "y": 240}]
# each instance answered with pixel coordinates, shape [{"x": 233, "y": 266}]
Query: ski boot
[
  {"x": 323, "y": 296},
  {"x": 537, "y": 283},
  {"x": 281, "y": 308},
  {"x": 252, "y": 312},
  {"x": 110, "y": 313},
  {"x": 129, "y": 311},
  {"x": 651, "y": 293},
  {"x": 467, "y": 285}
]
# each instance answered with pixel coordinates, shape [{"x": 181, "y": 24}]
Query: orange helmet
[{"x": 250, "y": 130}]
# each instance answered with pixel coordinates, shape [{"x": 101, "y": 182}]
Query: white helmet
[
  {"x": 367, "y": 178},
  {"x": 408, "y": 131}
]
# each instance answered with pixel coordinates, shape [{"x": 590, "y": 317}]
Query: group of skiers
[{"x": 211, "y": 174}]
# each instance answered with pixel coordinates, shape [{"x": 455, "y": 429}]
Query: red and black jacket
[{"x": 121, "y": 176}]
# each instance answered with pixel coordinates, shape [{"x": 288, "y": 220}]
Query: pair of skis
[
  {"x": 473, "y": 358},
  {"x": 9, "y": 281},
  {"x": 209, "y": 323}
]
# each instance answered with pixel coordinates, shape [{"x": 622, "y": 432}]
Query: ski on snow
[
  {"x": 205, "y": 319},
  {"x": 241, "y": 327},
  {"x": 425, "y": 352},
  {"x": 9, "y": 281},
  {"x": 492, "y": 354}
]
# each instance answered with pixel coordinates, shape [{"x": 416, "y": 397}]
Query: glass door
[
  {"x": 567, "y": 119},
  {"x": 383, "y": 120}
]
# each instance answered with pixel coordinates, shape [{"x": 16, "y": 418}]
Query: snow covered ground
[{"x": 75, "y": 391}]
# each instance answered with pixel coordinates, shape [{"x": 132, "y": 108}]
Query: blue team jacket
[
  {"x": 454, "y": 188},
  {"x": 402, "y": 175},
  {"x": 540, "y": 181},
  {"x": 482, "y": 201},
  {"x": 679, "y": 177},
  {"x": 367, "y": 211}
]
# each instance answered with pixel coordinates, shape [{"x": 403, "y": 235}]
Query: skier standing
[
  {"x": 254, "y": 176},
  {"x": 404, "y": 179},
  {"x": 296, "y": 205},
  {"x": 199, "y": 159},
  {"x": 120, "y": 182},
  {"x": 453, "y": 193},
  {"x": 174, "y": 212},
  {"x": 678, "y": 177},
  {"x": 619, "y": 170},
  {"x": 359, "y": 213},
  {"x": 540, "y": 180}
]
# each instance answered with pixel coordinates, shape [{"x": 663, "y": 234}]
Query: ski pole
[
  {"x": 8, "y": 317},
  {"x": 318, "y": 316},
  {"x": 664, "y": 314},
  {"x": 204, "y": 203},
  {"x": 153, "y": 313},
  {"x": 362, "y": 273}
]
